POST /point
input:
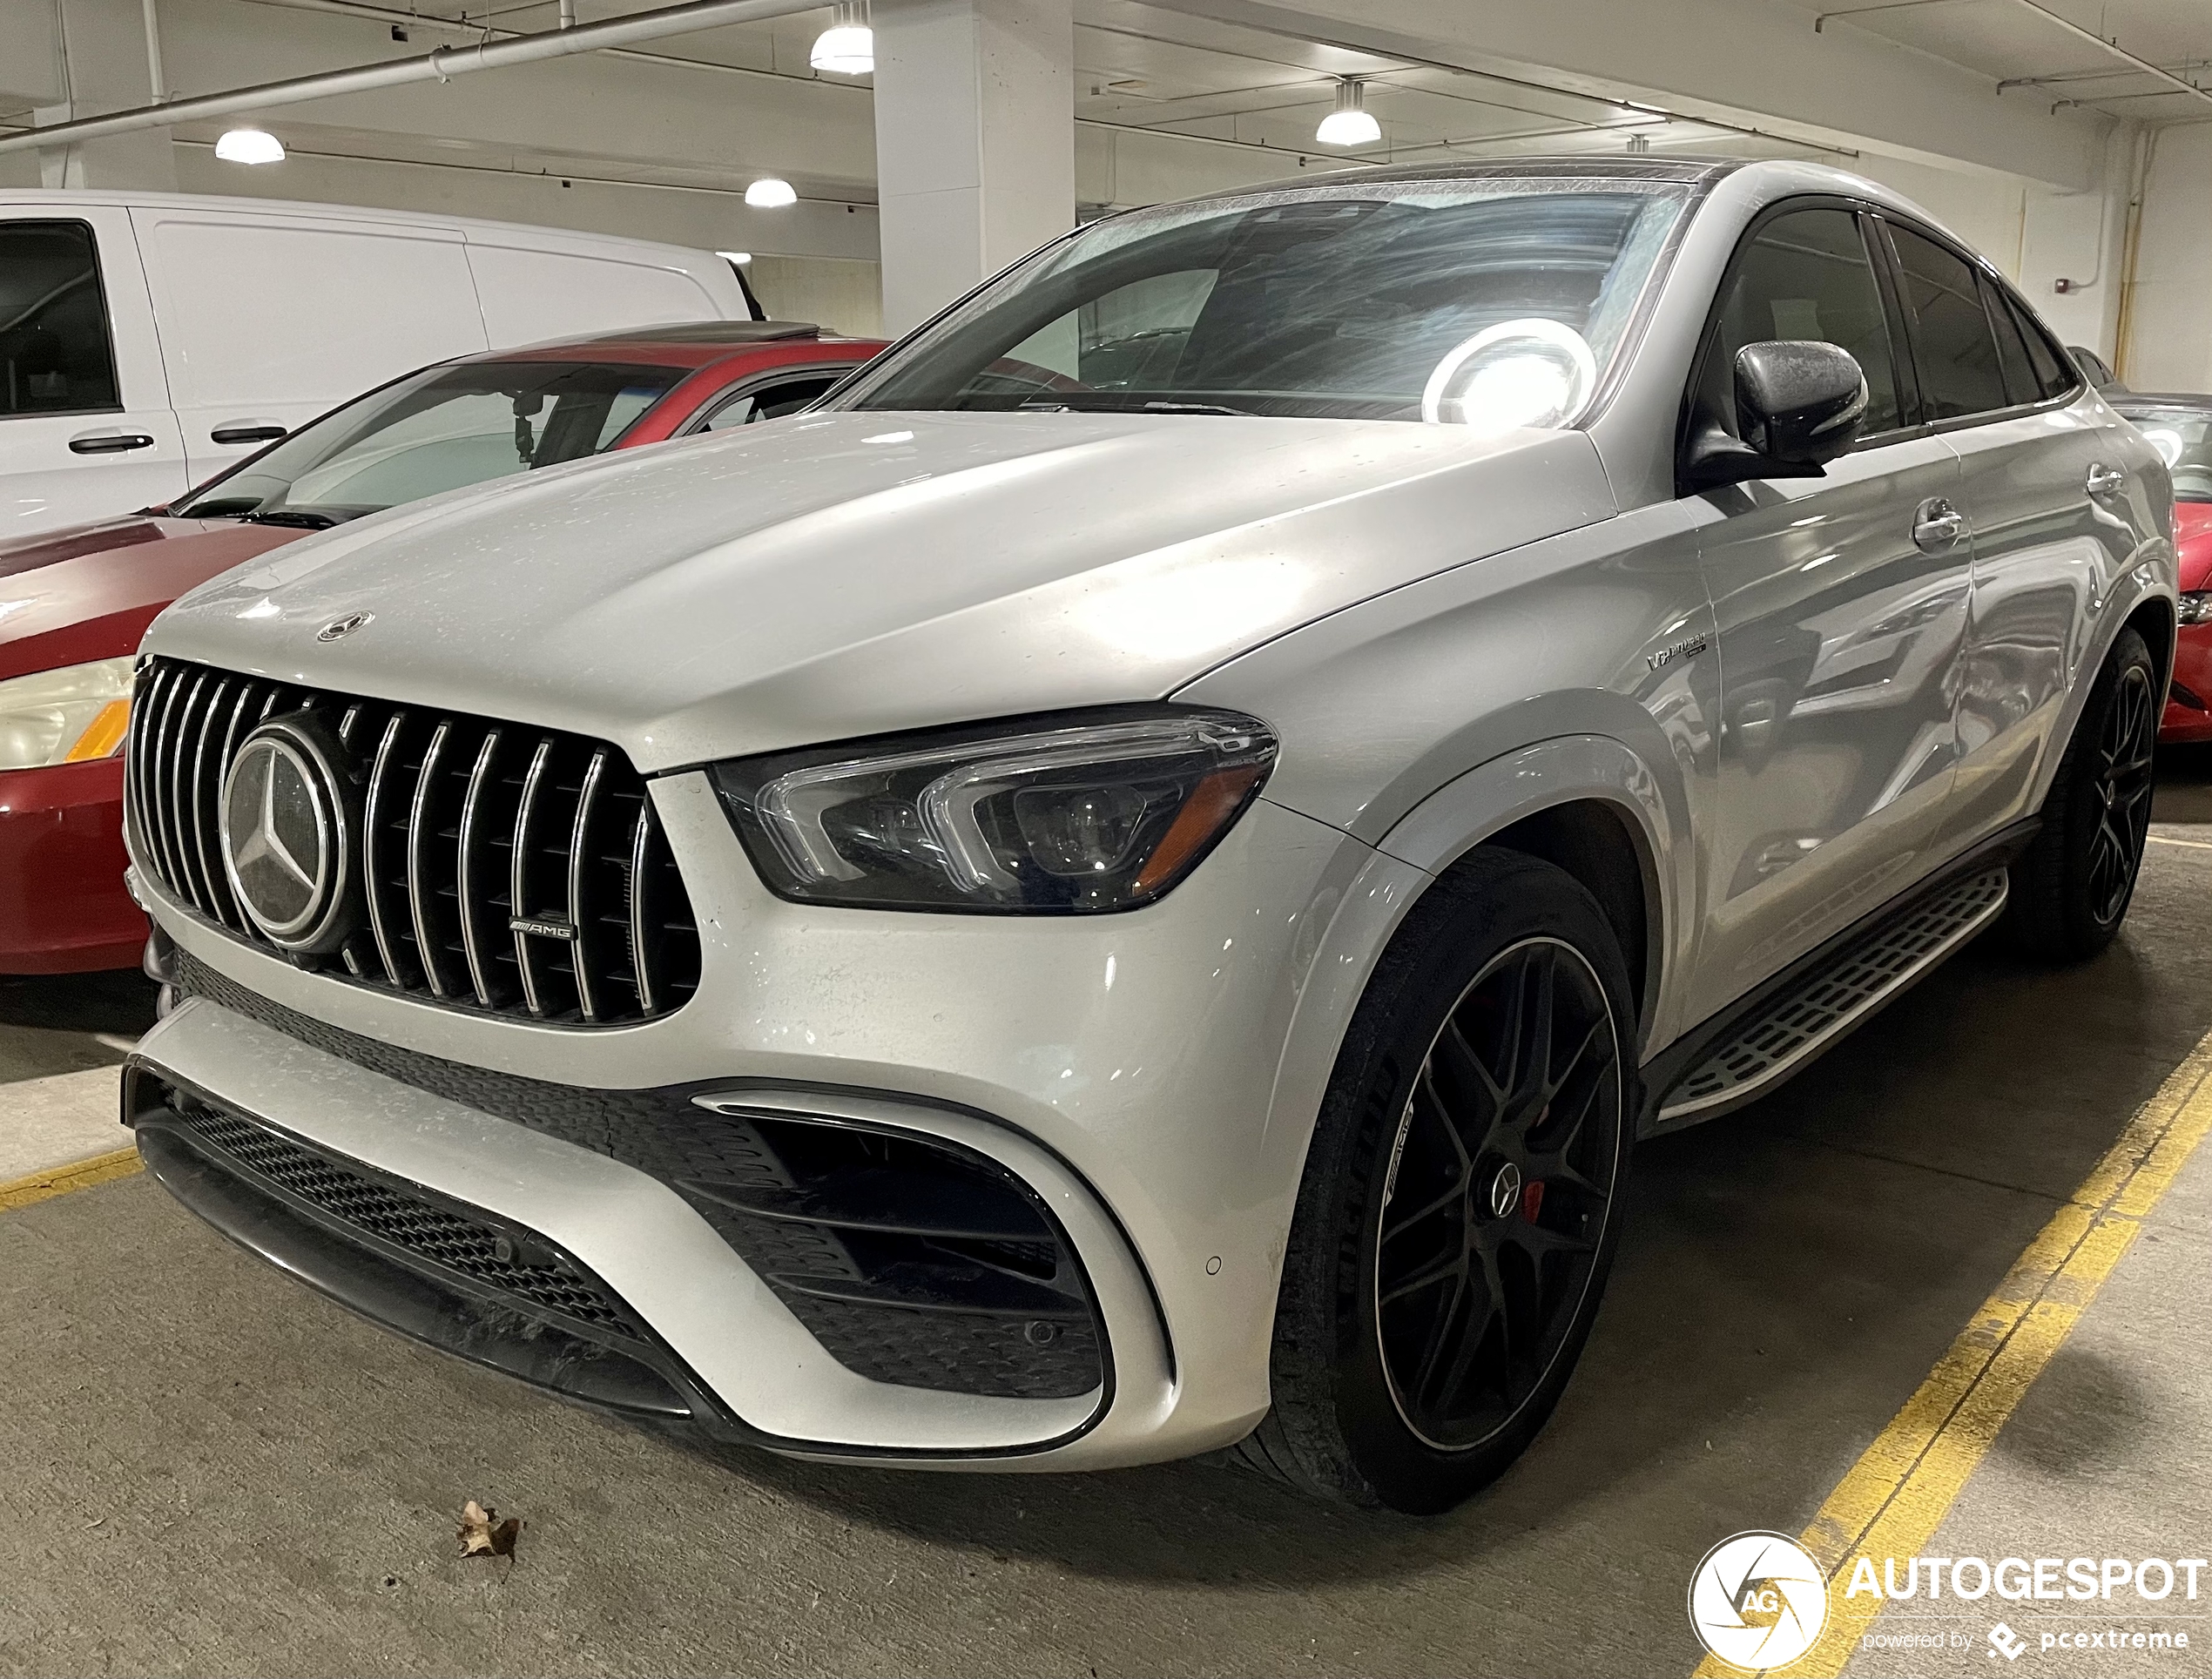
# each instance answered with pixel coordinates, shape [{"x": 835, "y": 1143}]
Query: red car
[
  {"x": 74, "y": 602},
  {"x": 2180, "y": 427}
]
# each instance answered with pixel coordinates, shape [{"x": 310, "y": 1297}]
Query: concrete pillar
[
  {"x": 104, "y": 50},
  {"x": 974, "y": 142}
]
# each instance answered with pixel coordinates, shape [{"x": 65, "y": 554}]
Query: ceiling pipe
[
  {"x": 440, "y": 65},
  {"x": 156, "y": 80},
  {"x": 2143, "y": 66},
  {"x": 411, "y": 21}
]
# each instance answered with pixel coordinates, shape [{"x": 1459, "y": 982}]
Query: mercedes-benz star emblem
[
  {"x": 285, "y": 824},
  {"x": 344, "y": 626}
]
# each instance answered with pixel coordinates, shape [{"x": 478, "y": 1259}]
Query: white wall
[
  {"x": 2169, "y": 305},
  {"x": 836, "y": 294}
]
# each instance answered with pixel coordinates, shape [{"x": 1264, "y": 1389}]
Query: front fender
[{"x": 1568, "y": 768}]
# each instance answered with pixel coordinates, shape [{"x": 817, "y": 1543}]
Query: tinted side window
[
  {"x": 55, "y": 357},
  {"x": 1952, "y": 346},
  {"x": 2021, "y": 382},
  {"x": 2054, "y": 372},
  {"x": 771, "y": 402},
  {"x": 1803, "y": 275}
]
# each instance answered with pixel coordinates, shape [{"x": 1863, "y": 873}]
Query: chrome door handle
[
  {"x": 108, "y": 443},
  {"x": 2103, "y": 479},
  {"x": 1937, "y": 524}
]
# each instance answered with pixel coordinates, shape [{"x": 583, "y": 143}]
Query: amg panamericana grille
[{"x": 499, "y": 866}]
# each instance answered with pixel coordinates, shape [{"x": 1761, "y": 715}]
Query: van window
[
  {"x": 436, "y": 430},
  {"x": 54, "y": 347}
]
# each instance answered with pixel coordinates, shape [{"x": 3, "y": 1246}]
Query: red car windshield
[
  {"x": 435, "y": 431},
  {"x": 2183, "y": 437}
]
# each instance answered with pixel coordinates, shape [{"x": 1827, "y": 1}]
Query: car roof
[
  {"x": 1678, "y": 170},
  {"x": 684, "y": 344}
]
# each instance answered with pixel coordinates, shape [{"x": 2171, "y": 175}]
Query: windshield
[
  {"x": 1491, "y": 303},
  {"x": 435, "y": 431},
  {"x": 2183, "y": 439}
]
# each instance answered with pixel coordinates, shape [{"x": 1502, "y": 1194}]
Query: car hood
[
  {"x": 89, "y": 592},
  {"x": 2193, "y": 544},
  {"x": 845, "y": 574}
]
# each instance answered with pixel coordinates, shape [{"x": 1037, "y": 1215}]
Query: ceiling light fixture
[
  {"x": 770, "y": 193},
  {"x": 249, "y": 146},
  {"x": 848, "y": 46},
  {"x": 1351, "y": 122}
]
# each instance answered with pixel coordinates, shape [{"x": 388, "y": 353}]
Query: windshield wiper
[
  {"x": 296, "y": 517},
  {"x": 1077, "y": 405}
]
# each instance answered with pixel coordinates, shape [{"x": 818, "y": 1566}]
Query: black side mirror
[{"x": 1799, "y": 405}]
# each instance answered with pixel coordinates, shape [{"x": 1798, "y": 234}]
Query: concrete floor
[{"x": 208, "y": 1469}]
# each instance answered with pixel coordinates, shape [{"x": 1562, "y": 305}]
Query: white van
[{"x": 148, "y": 339}]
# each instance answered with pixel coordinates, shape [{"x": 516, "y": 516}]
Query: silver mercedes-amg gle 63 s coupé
[{"x": 1124, "y": 885}]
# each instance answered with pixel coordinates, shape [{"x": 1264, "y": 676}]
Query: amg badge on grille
[{"x": 543, "y": 926}]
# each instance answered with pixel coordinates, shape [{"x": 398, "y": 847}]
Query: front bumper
[
  {"x": 63, "y": 909},
  {"x": 1129, "y": 1069},
  {"x": 2188, "y": 699}
]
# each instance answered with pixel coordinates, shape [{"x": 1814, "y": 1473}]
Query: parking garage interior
[{"x": 1943, "y": 1295}]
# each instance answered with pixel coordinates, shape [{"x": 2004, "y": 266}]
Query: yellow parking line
[
  {"x": 1898, "y": 1494},
  {"x": 2193, "y": 845},
  {"x": 60, "y": 1180}
]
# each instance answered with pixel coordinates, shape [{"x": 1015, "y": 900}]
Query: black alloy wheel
[
  {"x": 2070, "y": 889},
  {"x": 1499, "y": 1188},
  {"x": 1461, "y": 1198},
  {"x": 2120, "y": 773}
]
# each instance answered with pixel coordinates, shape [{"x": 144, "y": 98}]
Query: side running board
[{"x": 1776, "y": 1039}]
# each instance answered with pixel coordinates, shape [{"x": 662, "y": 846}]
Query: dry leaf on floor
[{"x": 484, "y": 1534}]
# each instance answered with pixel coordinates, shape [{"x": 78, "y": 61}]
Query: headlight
[
  {"x": 64, "y": 716},
  {"x": 2197, "y": 607},
  {"x": 1100, "y": 812}
]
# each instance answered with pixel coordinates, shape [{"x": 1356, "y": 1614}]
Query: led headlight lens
[
  {"x": 65, "y": 717},
  {"x": 1101, "y": 812},
  {"x": 2197, "y": 607}
]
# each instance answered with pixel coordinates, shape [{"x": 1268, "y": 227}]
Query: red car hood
[
  {"x": 90, "y": 590},
  {"x": 2193, "y": 544}
]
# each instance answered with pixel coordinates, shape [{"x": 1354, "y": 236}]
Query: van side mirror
[{"x": 1799, "y": 405}]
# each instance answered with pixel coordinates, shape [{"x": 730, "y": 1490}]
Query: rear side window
[
  {"x": 2021, "y": 382},
  {"x": 1803, "y": 275},
  {"x": 765, "y": 402},
  {"x": 55, "y": 356},
  {"x": 1952, "y": 346},
  {"x": 2054, "y": 371}
]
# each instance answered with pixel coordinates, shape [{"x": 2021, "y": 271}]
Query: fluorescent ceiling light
[
  {"x": 848, "y": 46},
  {"x": 1350, "y": 124},
  {"x": 249, "y": 146},
  {"x": 770, "y": 193},
  {"x": 740, "y": 258}
]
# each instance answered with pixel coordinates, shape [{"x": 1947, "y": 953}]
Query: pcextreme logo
[{"x": 1758, "y": 1601}]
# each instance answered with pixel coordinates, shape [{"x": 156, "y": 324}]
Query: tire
[
  {"x": 2070, "y": 889},
  {"x": 1376, "y": 1400}
]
